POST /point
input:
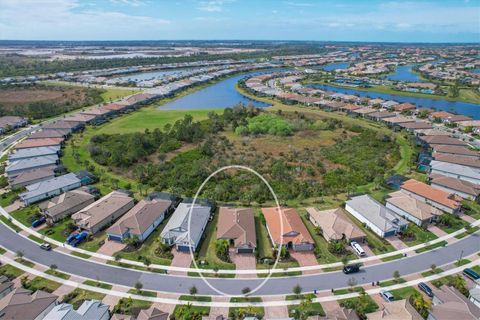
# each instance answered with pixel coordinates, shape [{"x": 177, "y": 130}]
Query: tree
[
  {"x": 138, "y": 286},
  {"x": 419, "y": 303},
  {"x": 193, "y": 290},
  {"x": 352, "y": 282},
  {"x": 19, "y": 254},
  {"x": 246, "y": 291},
  {"x": 433, "y": 267},
  {"x": 303, "y": 310},
  {"x": 117, "y": 257},
  {"x": 396, "y": 275},
  {"x": 297, "y": 290},
  {"x": 53, "y": 267}
]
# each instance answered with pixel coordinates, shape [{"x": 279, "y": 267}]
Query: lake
[
  {"x": 465, "y": 108},
  {"x": 220, "y": 95},
  {"x": 404, "y": 73},
  {"x": 333, "y": 66}
]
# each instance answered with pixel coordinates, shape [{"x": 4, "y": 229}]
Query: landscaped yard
[
  {"x": 362, "y": 305},
  {"x": 25, "y": 215},
  {"x": 98, "y": 284},
  {"x": 10, "y": 272},
  {"x": 58, "y": 274},
  {"x": 77, "y": 296},
  {"x": 39, "y": 283},
  {"x": 56, "y": 231},
  {"x": 314, "y": 309},
  {"x": 403, "y": 293},
  {"x": 130, "y": 306},
  {"x": 242, "y": 312},
  {"x": 421, "y": 235},
  {"x": 95, "y": 243}
]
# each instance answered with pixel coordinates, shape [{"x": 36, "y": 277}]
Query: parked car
[
  {"x": 38, "y": 222},
  {"x": 357, "y": 248},
  {"x": 79, "y": 238},
  {"x": 46, "y": 246},
  {"x": 422, "y": 286},
  {"x": 71, "y": 237},
  {"x": 469, "y": 273},
  {"x": 387, "y": 295},
  {"x": 351, "y": 268}
]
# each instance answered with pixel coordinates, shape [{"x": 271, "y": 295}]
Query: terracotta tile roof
[
  {"x": 441, "y": 114},
  {"x": 404, "y": 107},
  {"x": 237, "y": 224},
  {"x": 395, "y": 310},
  {"x": 416, "y": 208},
  {"x": 429, "y": 192},
  {"x": 33, "y": 143},
  {"x": 334, "y": 224},
  {"x": 293, "y": 228}
]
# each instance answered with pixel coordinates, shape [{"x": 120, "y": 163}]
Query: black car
[
  {"x": 422, "y": 286},
  {"x": 351, "y": 268}
]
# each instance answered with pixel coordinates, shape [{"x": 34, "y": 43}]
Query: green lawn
[
  {"x": 406, "y": 152},
  {"x": 431, "y": 272},
  {"x": 391, "y": 282},
  {"x": 58, "y": 274},
  {"x": 421, "y": 235},
  {"x": 315, "y": 309},
  {"x": 144, "y": 293},
  {"x": 94, "y": 244},
  {"x": 264, "y": 246},
  {"x": 10, "y": 272},
  {"x": 56, "y": 231},
  {"x": 472, "y": 208},
  {"x": 77, "y": 296},
  {"x": 116, "y": 93},
  {"x": 39, "y": 283},
  {"x": 394, "y": 257},
  {"x": 347, "y": 290},
  {"x": 199, "y": 310},
  {"x": 195, "y": 298},
  {"x": 9, "y": 223},
  {"x": 432, "y": 246},
  {"x": 476, "y": 269},
  {"x": 468, "y": 232},
  {"x": 6, "y": 199},
  {"x": 25, "y": 215},
  {"x": 98, "y": 284},
  {"x": 362, "y": 305},
  {"x": 462, "y": 262},
  {"x": 127, "y": 305},
  {"x": 80, "y": 255},
  {"x": 458, "y": 224},
  {"x": 243, "y": 312},
  {"x": 403, "y": 293},
  {"x": 25, "y": 262},
  {"x": 147, "y": 249},
  {"x": 300, "y": 296}
]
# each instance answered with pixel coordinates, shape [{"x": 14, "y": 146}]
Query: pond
[
  {"x": 334, "y": 66},
  {"x": 220, "y": 95},
  {"x": 404, "y": 73},
  {"x": 468, "y": 109}
]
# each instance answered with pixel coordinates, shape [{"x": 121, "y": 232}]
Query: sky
[{"x": 321, "y": 20}]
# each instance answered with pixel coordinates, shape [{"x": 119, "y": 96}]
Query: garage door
[
  {"x": 245, "y": 250},
  {"x": 183, "y": 248},
  {"x": 114, "y": 238}
]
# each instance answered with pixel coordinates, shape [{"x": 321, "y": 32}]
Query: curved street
[{"x": 181, "y": 284}]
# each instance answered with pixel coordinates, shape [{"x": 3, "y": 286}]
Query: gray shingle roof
[
  {"x": 49, "y": 185},
  {"x": 33, "y": 152},
  {"x": 25, "y": 164}
]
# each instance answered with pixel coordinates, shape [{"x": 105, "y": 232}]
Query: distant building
[
  {"x": 49, "y": 188},
  {"x": 33, "y": 153},
  {"x": 16, "y": 167},
  {"x": 464, "y": 189},
  {"x": 32, "y": 176},
  {"x": 457, "y": 171}
]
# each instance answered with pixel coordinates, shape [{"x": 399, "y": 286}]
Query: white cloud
[
  {"x": 213, "y": 6},
  {"x": 69, "y": 19},
  {"x": 133, "y": 3}
]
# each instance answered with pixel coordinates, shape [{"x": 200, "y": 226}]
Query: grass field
[
  {"x": 39, "y": 283},
  {"x": 10, "y": 272},
  {"x": 77, "y": 296}
]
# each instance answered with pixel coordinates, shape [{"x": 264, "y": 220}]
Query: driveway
[
  {"x": 110, "y": 247},
  {"x": 305, "y": 259},
  {"x": 275, "y": 312},
  {"x": 243, "y": 261},
  {"x": 396, "y": 243},
  {"x": 439, "y": 233},
  {"x": 180, "y": 259},
  {"x": 17, "y": 204}
]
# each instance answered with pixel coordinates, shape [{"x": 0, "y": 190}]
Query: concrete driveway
[
  {"x": 305, "y": 259},
  {"x": 243, "y": 261},
  {"x": 180, "y": 259},
  {"x": 110, "y": 247}
]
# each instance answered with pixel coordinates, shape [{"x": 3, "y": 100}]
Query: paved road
[{"x": 181, "y": 284}]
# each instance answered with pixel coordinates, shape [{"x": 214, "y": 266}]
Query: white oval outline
[{"x": 190, "y": 221}]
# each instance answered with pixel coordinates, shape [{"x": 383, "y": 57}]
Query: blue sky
[{"x": 360, "y": 20}]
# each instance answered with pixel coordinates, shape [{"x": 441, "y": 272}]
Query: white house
[
  {"x": 412, "y": 209},
  {"x": 453, "y": 170}
]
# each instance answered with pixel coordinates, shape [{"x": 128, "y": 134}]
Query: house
[
  {"x": 11, "y": 122},
  {"x": 6, "y": 286},
  {"x": 380, "y": 115},
  {"x": 464, "y": 189},
  {"x": 34, "y": 153},
  {"x": 402, "y": 107},
  {"x": 440, "y": 115},
  {"x": 364, "y": 111},
  {"x": 412, "y": 209},
  {"x": 152, "y": 313},
  {"x": 398, "y": 120},
  {"x": 456, "y": 171},
  {"x": 335, "y": 225},
  {"x": 448, "y": 303},
  {"x": 431, "y": 132},
  {"x": 237, "y": 225},
  {"x": 65, "y": 204},
  {"x": 454, "y": 150},
  {"x": 58, "y": 133},
  {"x": 35, "y": 143},
  {"x": 377, "y": 217},
  {"x": 90, "y": 309},
  {"x": 416, "y": 125},
  {"x": 103, "y": 212},
  {"x": 176, "y": 232},
  {"x": 23, "y": 304},
  {"x": 49, "y": 188},
  {"x": 441, "y": 140},
  {"x": 294, "y": 234},
  {"x": 389, "y": 105},
  {"x": 140, "y": 221},
  {"x": 395, "y": 310},
  {"x": 80, "y": 118},
  {"x": 31, "y": 176},
  {"x": 70, "y": 126},
  {"x": 435, "y": 197},
  {"x": 474, "y": 295},
  {"x": 457, "y": 159},
  {"x": 16, "y": 167}
]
